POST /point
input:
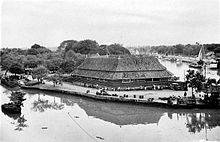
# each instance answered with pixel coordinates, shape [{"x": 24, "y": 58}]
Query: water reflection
[
  {"x": 197, "y": 121},
  {"x": 119, "y": 114},
  {"x": 13, "y": 116},
  {"x": 18, "y": 120},
  {"x": 127, "y": 114},
  {"x": 21, "y": 123},
  {"x": 41, "y": 105}
]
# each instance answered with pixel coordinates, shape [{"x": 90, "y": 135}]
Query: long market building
[{"x": 125, "y": 71}]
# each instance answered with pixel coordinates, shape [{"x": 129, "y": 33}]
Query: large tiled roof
[{"x": 122, "y": 67}]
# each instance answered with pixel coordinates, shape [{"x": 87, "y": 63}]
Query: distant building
[{"x": 121, "y": 71}]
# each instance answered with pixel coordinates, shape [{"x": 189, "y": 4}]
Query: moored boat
[{"x": 199, "y": 64}]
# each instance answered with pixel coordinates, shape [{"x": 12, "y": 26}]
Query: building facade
[{"x": 121, "y": 71}]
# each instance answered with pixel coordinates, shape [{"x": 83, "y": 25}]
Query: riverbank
[
  {"x": 135, "y": 97},
  {"x": 80, "y": 89}
]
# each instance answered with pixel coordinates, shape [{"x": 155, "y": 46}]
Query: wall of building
[{"x": 120, "y": 83}]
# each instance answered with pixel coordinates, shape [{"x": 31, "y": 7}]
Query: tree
[
  {"x": 8, "y": 60},
  {"x": 68, "y": 66},
  {"x": 85, "y": 46},
  {"x": 117, "y": 49},
  {"x": 32, "y": 51},
  {"x": 66, "y": 45},
  {"x": 31, "y": 61},
  {"x": 179, "y": 49},
  {"x": 40, "y": 72},
  {"x": 40, "y": 49},
  {"x": 217, "y": 50},
  {"x": 194, "y": 80},
  {"x": 71, "y": 55},
  {"x": 55, "y": 78},
  {"x": 71, "y": 61},
  {"x": 16, "y": 68},
  {"x": 91, "y": 47},
  {"x": 82, "y": 47},
  {"x": 37, "y": 49},
  {"x": 54, "y": 64}
]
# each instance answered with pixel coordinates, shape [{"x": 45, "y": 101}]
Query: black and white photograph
[{"x": 110, "y": 71}]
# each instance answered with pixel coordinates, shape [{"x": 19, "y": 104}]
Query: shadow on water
[{"x": 128, "y": 114}]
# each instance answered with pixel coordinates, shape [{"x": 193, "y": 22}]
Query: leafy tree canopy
[
  {"x": 66, "y": 45},
  {"x": 54, "y": 64},
  {"x": 195, "y": 79},
  {"x": 31, "y": 61},
  {"x": 40, "y": 72},
  {"x": 92, "y": 47},
  {"x": 68, "y": 66},
  {"x": 55, "y": 78},
  {"x": 16, "y": 68},
  {"x": 117, "y": 49},
  {"x": 37, "y": 49}
]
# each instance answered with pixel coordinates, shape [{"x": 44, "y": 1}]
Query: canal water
[
  {"x": 180, "y": 70},
  {"x": 53, "y": 117}
]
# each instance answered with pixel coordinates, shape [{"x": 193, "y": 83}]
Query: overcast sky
[{"x": 129, "y": 22}]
